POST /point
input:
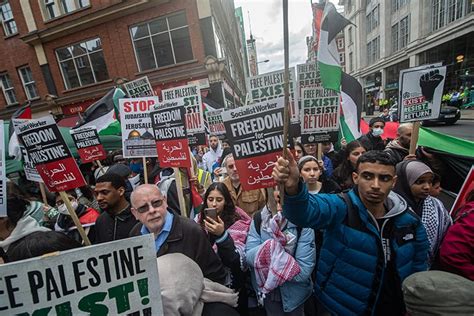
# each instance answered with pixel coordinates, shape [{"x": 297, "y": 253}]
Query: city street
[{"x": 462, "y": 129}]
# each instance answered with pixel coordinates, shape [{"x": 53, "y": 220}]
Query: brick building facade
[{"x": 76, "y": 50}]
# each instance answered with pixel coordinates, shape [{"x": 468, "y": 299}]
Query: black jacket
[
  {"x": 370, "y": 142},
  {"x": 109, "y": 227},
  {"x": 188, "y": 238}
]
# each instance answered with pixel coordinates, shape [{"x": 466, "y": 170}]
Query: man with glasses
[
  {"x": 250, "y": 201},
  {"x": 173, "y": 233}
]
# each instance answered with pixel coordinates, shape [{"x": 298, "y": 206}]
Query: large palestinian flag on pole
[
  {"x": 23, "y": 112},
  {"x": 103, "y": 115},
  {"x": 328, "y": 57}
]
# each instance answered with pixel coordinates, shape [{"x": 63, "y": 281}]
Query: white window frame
[
  {"x": 169, "y": 30},
  {"x": 4, "y": 90},
  {"x": 10, "y": 21},
  {"x": 58, "y": 7},
  {"x": 28, "y": 83},
  {"x": 74, "y": 58},
  {"x": 441, "y": 14}
]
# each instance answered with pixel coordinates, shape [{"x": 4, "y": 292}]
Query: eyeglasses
[{"x": 145, "y": 208}]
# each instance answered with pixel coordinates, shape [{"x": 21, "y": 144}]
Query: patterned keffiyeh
[
  {"x": 273, "y": 265},
  {"x": 436, "y": 220}
]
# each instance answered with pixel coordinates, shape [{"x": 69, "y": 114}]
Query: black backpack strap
[
  {"x": 352, "y": 219},
  {"x": 257, "y": 220}
]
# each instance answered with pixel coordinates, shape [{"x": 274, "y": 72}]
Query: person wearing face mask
[
  {"x": 87, "y": 217},
  {"x": 373, "y": 140}
]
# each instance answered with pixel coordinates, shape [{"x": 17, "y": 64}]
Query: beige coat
[{"x": 250, "y": 201}]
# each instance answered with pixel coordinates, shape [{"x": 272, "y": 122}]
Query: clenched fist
[
  {"x": 429, "y": 82},
  {"x": 286, "y": 172}
]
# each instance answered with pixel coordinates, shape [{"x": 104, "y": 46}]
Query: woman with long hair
[
  {"x": 312, "y": 172},
  {"x": 227, "y": 227},
  {"x": 343, "y": 173}
]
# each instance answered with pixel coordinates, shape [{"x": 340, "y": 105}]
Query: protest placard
[
  {"x": 49, "y": 153},
  {"x": 137, "y": 88},
  {"x": 189, "y": 96},
  {"x": 88, "y": 144},
  {"x": 269, "y": 86},
  {"x": 319, "y": 115},
  {"x": 116, "y": 278},
  {"x": 308, "y": 76},
  {"x": 137, "y": 138},
  {"x": 421, "y": 89},
  {"x": 215, "y": 122},
  {"x": 256, "y": 132},
  {"x": 3, "y": 174},
  {"x": 170, "y": 134}
]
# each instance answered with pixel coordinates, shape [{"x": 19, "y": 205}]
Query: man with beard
[
  {"x": 214, "y": 153},
  {"x": 250, "y": 201},
  {"x": 116, "y": 221},
  {"x": 398, "y": 148}
]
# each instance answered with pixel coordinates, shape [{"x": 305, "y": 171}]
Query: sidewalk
[{"x": 467, "y": 114}]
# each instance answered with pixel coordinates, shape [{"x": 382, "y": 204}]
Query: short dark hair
[
  {"x": 116, "y": 180},
  {"x": 375, "y": 156},
  {"x": 40, "y": 243}
]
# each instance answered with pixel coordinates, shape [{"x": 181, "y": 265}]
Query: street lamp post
[{"x": 261, "y": 62}]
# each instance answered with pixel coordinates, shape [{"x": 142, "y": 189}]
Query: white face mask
[
  {"x": 377, "y": 131},
  {"x": 63, "y": 209}
]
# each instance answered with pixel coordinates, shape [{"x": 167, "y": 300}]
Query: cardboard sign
[
  {"x": 308, "y": 77},
  {"x": 189, "y": 96},
  {"x": 88, "y": 144},
  {"x": 466, "y": 188},
  {"x": 171, "y": 140},
  {"x": 140, "y": 87},
  {"x": 256, "y": 132},
  {"x": 137, "y": 135},
  {"x": 28, "y": 167},
  {"x": 270, "y": 86},
  {"x": 116, "y": 278},
  {"x": 215, "y": 122},
  {"x": 3, "y": 174},
  {"x": 421, "y": 89},
  {"x": 49, "y": 154},
  {"x": 320, "y": 113}
]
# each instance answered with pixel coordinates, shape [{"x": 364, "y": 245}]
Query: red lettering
[
  {"x": 126, "y": 106},
  {"x": 193, "y": 120}
]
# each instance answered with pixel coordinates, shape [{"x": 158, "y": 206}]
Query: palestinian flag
[
  {"x": 351, "y": 95},
  {"x": 328, "y": 57},
  {"x": 103, "y": 114},
  {"x": 23, "y": 112}
]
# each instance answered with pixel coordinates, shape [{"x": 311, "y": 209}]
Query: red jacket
[{"x": 457, "y": 250}]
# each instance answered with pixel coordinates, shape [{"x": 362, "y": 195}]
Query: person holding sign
[
  {"x": 173, "y": 233},
  {"x": 116, "y": 221},
  {"x": 372, "y": 241}
]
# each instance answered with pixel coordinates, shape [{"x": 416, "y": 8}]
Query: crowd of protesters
[{"x": 360, "y": 229}]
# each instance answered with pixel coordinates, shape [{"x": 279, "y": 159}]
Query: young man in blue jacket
[{"x": 372, "y": 240}]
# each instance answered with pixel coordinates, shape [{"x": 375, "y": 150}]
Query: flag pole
[
  {"x": 145, "y": 170},
  {"x": 286, "y": 114},
  {"x": 414, "y": 138}
]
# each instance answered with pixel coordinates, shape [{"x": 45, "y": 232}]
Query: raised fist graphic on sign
[{"x": 429, "y": 82}]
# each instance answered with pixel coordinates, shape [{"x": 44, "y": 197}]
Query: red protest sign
[
  {"x": 49, "y": 153},
  {"x": 172, "y": 143},
  {"x": 256, "y": 133},
  {"x": 88, "y": 144}
]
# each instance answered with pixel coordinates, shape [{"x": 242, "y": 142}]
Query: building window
[
  {"x": 373, "y": 19},
  {"x": 373, "y": 50},
  {"x": 398, "y": 4},
  {"x": 351, "y": 62},
  {"x": 9, "y": 24},
  {"x": 82, "y": 64},
  {"x": 8, "y": 89},
  {"x": 162, "y": 42},
  {"x": 28, "y": 83},
  {"x": 55, "y": 8},
  {"x": 351, "y": 40},
  {"x": 401, "y": 34},
  {"x": 444, "y": 12}
]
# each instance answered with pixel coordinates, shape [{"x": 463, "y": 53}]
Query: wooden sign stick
[
  {"x": 43, "y": 193},
  {"x": 145, "y": 170},
  {"x": 179, "y": 189},
  {"x": 414, "y": 137},
  {"x": 286, "y": 114},
  {"x": 74, "y": 217}
]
